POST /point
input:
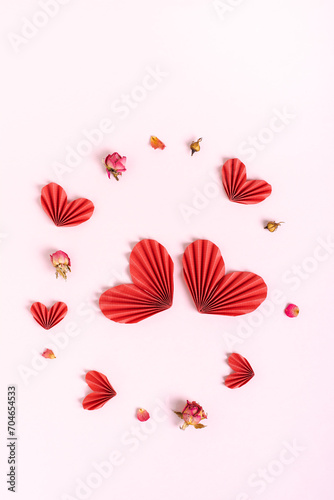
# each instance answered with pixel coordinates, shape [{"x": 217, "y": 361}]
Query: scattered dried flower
[
  {"x": 115, "y": 165},
  {"x": 292, "y": 310},
  {"x": 143, "y": 415},
  {"x": 272, "y": 226},
  {"x": 156, "y": 143},
  {"x": 192, "y": 414},
  {"x": 48, "y": 354},
  {"x": 61, "y": 261},
  {"x": 195, "y": 147}
]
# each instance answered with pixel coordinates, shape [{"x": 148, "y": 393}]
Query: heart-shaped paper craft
[
  {"x": 215, "y": 292},
  {"x": 102, "y": 391},
  {"x": 238, "y": 188},
  {"x": 64, "y": 213},
  {"x": 151, "y": 269},
  {"x": 243, "y": 371},
  {"x": 48, "y": 318}
]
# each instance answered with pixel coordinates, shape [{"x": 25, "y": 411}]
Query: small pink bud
[
  {"x": 48, "y": 354},
  {"x": 115, "y": 165},
  {"x": 292, "y": 310},
  {"x": 61, "y": 261},
  {"x": 143, "y": 415}
]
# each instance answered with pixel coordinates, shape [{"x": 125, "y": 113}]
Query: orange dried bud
[
  {"x": 156, "y": 143},
  {"x": 195, "y": 147}
]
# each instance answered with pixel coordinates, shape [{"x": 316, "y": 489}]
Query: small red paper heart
[
  {"x": 243, "y": 371},
  {"x": 151, "y": 269},
  {"x": 64, "y": 213},
  {"x": 48, "y": 318},
  {"x": 215, "y": 292},
  {"x": 102, "y": 391},
  {"x": 238, "y": 188}
]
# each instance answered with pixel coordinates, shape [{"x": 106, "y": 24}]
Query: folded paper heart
[
  {"x": 243, "y": 371},
  {"x": 102, "y": 391},
  {"x": 48, "y": 318},
  {"x": 215, "y": 292},
  {"x": 64, "y": 213},
  {"x": 238, "y": 188},
  {"x": 151, "y": 292}
]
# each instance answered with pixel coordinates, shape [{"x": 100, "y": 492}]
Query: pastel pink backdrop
[{"x": 223, "y": 78}]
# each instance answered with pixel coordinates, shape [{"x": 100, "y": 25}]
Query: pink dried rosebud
[
  {"x": 143, "y": 415},
  {"x": 61, "y": 261},
  {"x": 115, "y": 165},
  {"x": 292, "y": 310},
  {"x": 192, "y": 414},
  {"x": 48, "y": 353}
]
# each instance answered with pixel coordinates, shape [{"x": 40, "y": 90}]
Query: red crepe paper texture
[
  {"x": 238, "y": 188},
  {"x": 102, "y": 391},
  {"x": 151, "y": 292},
  {"x": 243, "y": 371},
  {"x": 48, "y": 318},
  {"x": 215, "y": 292},
  {"x": 64, "y": 213}
]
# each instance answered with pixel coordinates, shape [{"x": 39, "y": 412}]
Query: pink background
[{"x": 223, "y": 77}]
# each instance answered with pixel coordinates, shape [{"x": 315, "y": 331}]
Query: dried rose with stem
[
  {"x": 61, "y": 261},
  {"x": 272, "y": 226},
  {"x": 115, "y": 165},
  {"x": 192, "y": 414}
]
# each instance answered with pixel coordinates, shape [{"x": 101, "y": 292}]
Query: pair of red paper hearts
[{"x": 151, "y": 292}]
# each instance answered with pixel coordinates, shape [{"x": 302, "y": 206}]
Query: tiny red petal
[
  {"x": 48, "y": 353},
  {"x": 156, "y": 143},
  {"x": 292, "y": 310},
  {"x": 142, "y": 415}
]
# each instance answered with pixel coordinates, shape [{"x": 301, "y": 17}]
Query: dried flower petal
[
  {"x": 292, "y": 310},
  {"x": 156, "y": 143},
  {"x": 48, "y": 354},
  {"x": 272, "y": 226},
  {"x": 61, "y": 261},
  {"x": 194, "y": 146},
  {"x": 143, "y": 415},
  {"x": 192, "y": 414},
  {"x": 115, "y": 165}
]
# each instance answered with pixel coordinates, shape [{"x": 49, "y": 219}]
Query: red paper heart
[
  {"x": 102, "y": 391},
  {"x": 214, "y": 292},
  {"x": 48, "y": 318},
  {"x": 238, "y": 188},
  {"x": 64, "y": 213},
  {"x": 243, "y": 371},
  {"x": 151, "y": 269}
]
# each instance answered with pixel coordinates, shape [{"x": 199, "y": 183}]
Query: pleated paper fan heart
[
  {"x": 64, "y": 213},
  {"x": 238, "y": 188},
  {"x": 243, "y": 371},
  {"x": 48, "y": 318},
  {"x": 102, "y": 391},
  {"x": 151, "y": 292},
  {"x": 215, "y": 292}
]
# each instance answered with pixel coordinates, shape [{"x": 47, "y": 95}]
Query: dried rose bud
[
  {"x": 156, "y": 143},
  {"x": 192, "y": 414},
  {"x": 292, "y": 310},
  {"x": 61, "y": 261},
  {"x": 48, "y": 354},
  {"x": 195, "y": 147},
  {"x": 272, "y": 226},
  {"x": 115, "y": 165},
  {"x": 143, "y": 415}
]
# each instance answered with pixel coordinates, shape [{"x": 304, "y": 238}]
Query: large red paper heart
[
  {"x": 238, "y": 188},
  {"x": 214, "y": 292},
  {"x": 243, "y": 371},
  {"x": 151, "y": 269},
  {"x": 48, "y": 318},
  {"x": 102, "y": 391},
  {"x": 64, "y": 213}
]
